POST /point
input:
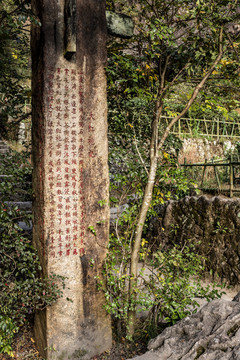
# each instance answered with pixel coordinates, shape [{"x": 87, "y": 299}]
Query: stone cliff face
[{"x": 212, "y": 224}]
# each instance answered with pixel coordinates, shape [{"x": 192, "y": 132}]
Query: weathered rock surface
[
  {"x": 197, "y": 150},
  {"x": 213, "y": 333},
  {"x": 119, "y": 24}
]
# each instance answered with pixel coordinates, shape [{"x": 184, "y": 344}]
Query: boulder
[{"x": 213, "y": 333}]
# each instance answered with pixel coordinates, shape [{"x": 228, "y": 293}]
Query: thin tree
[{"x": 181, "y": 28}]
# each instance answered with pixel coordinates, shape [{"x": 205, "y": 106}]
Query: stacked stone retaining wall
[{"x": 212, "y": 224}]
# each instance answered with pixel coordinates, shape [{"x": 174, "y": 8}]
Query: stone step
[
  {"x": 27, "y": 206},
  {"x": 4, "y": 151},
  {"x": 4, "y": 148},
  {"x": 22, "y": 205}
]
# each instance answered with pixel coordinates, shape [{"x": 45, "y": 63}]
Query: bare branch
[
  {"x": 140, "y": 156},
  {"x": 174, "y": 79},
  {"x": 195, "y": 92},
  {"x": 9, "y": 14},
  {"x": 164, "y": 73},
  {"x": 232, "y": 45},
  {"x": 23, "y": 117}
]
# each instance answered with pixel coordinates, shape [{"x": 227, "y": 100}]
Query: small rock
[{"x": 237, "y": 297}]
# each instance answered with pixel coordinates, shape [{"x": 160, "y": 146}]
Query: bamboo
[
  {"x": 218, "y": 132},
  {"x": 213, "y": 127},
  {"x": 235, "y": 163},
  {"x": 189, "y": 128},
  {"x": 206, "y": 127}
]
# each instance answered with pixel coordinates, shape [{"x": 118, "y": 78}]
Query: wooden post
[
  {"x": 205, "y": 123},
  {"x": 70, "y": 177},
  {"x": 185, "y": 168},
  {"x": 230, "y": 178},
  {"x": 204, "y": 171},
  {"x": 217, "y": 177}
]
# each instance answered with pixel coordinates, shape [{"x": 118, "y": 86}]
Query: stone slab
[
  {"x": 70, "y": 176},
  {"x": 119, "y": 25}
]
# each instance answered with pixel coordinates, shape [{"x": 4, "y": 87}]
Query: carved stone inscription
[
  {"x": 66, "y": 228},
  {"x": 70, "y": 175}
]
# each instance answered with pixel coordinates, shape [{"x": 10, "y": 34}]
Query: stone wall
[
  {"x": 197, "y": 150},
  {"x": 212, "y": 224}
]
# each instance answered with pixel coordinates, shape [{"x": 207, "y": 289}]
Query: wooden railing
[
  {"x": 214, "y": 129},
  {"x": 233, "y": 184}
]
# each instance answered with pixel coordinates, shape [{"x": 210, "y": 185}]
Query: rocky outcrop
[
  {"x": 212, "y": 224},
  {"x": 213, "y": 333}
]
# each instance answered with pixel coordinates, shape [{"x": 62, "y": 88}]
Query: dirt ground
[{"x": 24, "y": 346}]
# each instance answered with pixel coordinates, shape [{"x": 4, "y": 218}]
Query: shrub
[
  {"x": 168, "y": 280},
  {"x": 22, "y": 289},
  {"x": 174, "y": 283},
  {"x": 7, "y": 330},
  {"x": 168, "y": 284},
  {"x": 16, "y": 185}
]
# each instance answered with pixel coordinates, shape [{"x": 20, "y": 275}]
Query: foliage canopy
[{"x": 15, "y": 17}]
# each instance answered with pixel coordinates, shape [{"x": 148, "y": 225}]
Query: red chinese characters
[{"x": 64, "y": 152}]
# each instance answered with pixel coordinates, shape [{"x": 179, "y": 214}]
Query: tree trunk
[{"x": 154, "y": 151}]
